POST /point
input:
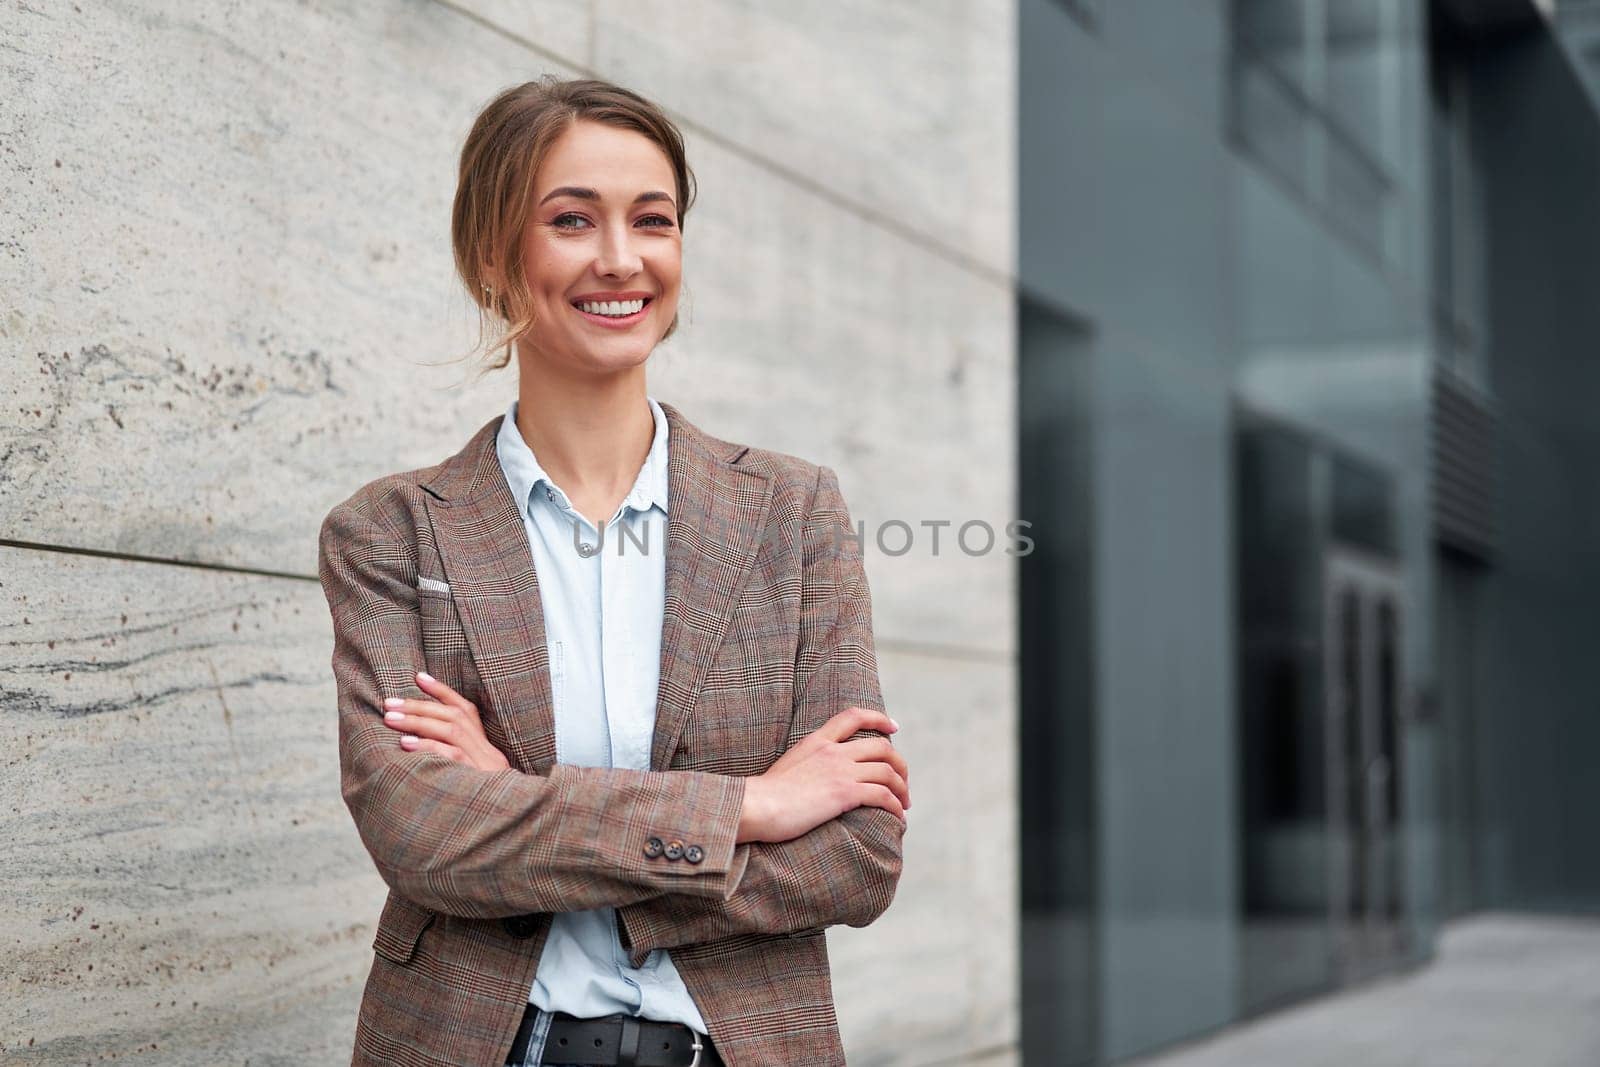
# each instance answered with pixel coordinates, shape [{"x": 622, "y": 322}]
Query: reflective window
[
  {"x": 1087, "y": 12},
  {"x": 1309, "y": 96},
  {"x": 1283, "y": 750},
  {"x": 1354, "y": 56},
  {"x": 1459, "y": 252},
  {"x": 1274, "y": 32}
]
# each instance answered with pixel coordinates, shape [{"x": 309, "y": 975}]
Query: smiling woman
[
  {"x": 559, "y": 176},
  {"x": 617, "y": 796}
]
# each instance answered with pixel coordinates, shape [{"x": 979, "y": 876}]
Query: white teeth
[{"x": 611, "y": 307}]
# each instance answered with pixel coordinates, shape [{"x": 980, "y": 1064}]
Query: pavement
[{"x": 1505, "y": 990}]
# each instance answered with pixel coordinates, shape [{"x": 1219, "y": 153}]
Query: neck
[{"x": 591, "y": 435}]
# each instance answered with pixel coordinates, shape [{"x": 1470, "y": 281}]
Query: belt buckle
[{"x": 697, "y": 1046}]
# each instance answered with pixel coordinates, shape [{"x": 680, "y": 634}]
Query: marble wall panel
[
  {"x": 182, "y": 882},
  {"x": 208, "y": 400},
  {"x": 224, "y": 272},
  {"x": 178, "y": 855},
  {"x": 809, "y": 331},
  {"x": 903, "y": 109},
  {"x": 226, "y": 261},
  {"x": 934, "y": 980}
]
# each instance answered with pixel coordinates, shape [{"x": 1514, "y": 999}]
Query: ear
[{"x": 490, "y": 272}]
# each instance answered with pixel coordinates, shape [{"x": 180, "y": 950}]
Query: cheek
[
  {"x": 551, "y": 268},
  {"x": 668, "y": 270}
]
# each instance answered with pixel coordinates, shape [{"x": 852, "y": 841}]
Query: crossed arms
[{"x": 483, "y": 844}]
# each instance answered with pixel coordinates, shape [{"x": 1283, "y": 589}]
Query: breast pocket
[
  {"x": 442, "y": 632},
  {"x": 445, "y": 651}
]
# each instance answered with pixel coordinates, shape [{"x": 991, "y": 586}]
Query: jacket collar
[
  {"x": 714, "y": 528},
  {"x": 476, "y": 468}
]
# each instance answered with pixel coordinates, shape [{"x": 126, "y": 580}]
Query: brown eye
[{"x": 657, "y": 220}]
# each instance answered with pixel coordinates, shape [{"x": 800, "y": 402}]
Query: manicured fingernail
[
  {"x": 408, "y": 739},
  {"x": 896, "y": 725},
  {"x": 425, "y": 676},
  {"x": 394, "y": 716},
  {"x": 394, "y": 702}
]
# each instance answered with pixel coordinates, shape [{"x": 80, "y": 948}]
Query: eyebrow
[{"x": 589, "y": 194}]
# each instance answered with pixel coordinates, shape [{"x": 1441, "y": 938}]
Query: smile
[{"x": 612, "y": 312}]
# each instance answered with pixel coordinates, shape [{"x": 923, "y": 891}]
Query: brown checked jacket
[{"x": 767, "y": 633}]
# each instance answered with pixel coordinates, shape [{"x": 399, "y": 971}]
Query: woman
[{"x": 610, "y": 721}]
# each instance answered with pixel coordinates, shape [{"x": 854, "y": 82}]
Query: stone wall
[{"x": 226, "y": 300}]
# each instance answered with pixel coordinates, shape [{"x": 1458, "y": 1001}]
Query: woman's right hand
[{"x": 825, "y": 775}]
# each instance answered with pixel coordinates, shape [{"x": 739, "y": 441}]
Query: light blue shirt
[{"x": 603, "y": 593}]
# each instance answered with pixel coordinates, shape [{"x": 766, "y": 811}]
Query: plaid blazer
[{"x": 767, "y": 633}]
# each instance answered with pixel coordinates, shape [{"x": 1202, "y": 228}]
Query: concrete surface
[{"x": 1503, "y": 991}]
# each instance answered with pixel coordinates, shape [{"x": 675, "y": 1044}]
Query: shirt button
[
  {"x": 549, "y": 494},
  {"x": 653, "y": 847},
  {"x": 694, "y": 854},
  {"x": 586, "y": 550},
  {"x": 674, "y": 850}
]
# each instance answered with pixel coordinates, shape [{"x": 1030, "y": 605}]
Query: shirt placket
[
  {"x": 613, "y": 645},
  {"x": 579, "y": 537}
]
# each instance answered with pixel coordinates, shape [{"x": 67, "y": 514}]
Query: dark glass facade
[{"x": 1302, "y": 629}]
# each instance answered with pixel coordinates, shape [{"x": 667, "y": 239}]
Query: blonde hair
[{"x": 494, "y": 193}]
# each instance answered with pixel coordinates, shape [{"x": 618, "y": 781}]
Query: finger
[
  {"x": 881, "y": 749},
  {"x": 418, "y": 709},
  {"x": 854, "y": 719},
  {"x": 417, "y": 725},
  {"x": 873, "y": 795},
  {"x": 884, "y": 774},
  {"x": 413, "y": 743},
  {"x": 444, "y": 693}
]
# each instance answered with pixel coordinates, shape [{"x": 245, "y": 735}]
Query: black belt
[{"x": 615, "y": 1041}]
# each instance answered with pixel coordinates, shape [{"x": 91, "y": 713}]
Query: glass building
[{"x": 1308, "y": 322}]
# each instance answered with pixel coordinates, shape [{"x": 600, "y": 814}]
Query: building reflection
[{"x": 1304, "y": 398}]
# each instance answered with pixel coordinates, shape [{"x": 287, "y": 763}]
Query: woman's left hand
[{"x": 448, "y": 725}]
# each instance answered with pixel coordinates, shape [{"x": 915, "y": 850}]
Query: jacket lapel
[
  {"x": 716, "y": 513},
  {"x": 484, "y": 550}
]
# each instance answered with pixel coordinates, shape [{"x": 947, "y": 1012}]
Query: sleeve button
[
  {"x": 694, "y": 854},
  {"x": 653, "y": 847},
  {"x": 674, "y": 850}
]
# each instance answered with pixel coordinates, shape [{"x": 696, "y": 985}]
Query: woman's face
[{"x": 603, "y": 239}]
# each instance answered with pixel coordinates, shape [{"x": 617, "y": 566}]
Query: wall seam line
[{"x": 1002, "y": 279}]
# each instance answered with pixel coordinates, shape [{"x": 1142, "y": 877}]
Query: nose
[{"x": 617, "y": 256}]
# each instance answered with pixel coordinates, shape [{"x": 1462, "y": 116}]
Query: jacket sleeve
[
  {"x": 489, "y": 844},
  {"x": 845, "y": 870}
]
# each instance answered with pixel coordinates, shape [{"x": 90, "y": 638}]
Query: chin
[{"x": 616, "y": 361}]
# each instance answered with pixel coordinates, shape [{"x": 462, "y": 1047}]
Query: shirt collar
[{"x": 524, "y": 474}]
